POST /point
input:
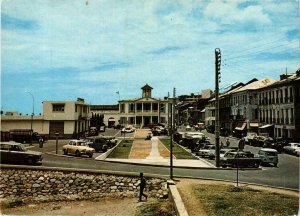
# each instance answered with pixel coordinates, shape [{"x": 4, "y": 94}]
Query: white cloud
[
  {"x": 228, "y": 12},
  {"x": 71, "y": 34}
]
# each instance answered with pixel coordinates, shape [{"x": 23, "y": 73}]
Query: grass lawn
[
  {"x": 178, "y": 152},
  {"x": 161, "y": 208},
  {"x": 230, "y": 200},
  {"x": 122, "y": 150}
]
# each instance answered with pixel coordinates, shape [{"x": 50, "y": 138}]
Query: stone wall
[{"x": 43, "y": 185}]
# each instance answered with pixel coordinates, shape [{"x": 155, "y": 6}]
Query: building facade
[
  {"x": 68, "y": 118},
  {"x": 144, "y": 110},
  {"x": 244, "y": 106},
  {"x": 279, "y": 106},
  {"x": 110, "y": 113}
]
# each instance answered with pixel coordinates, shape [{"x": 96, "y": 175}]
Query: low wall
[{"x": 46, "y": 185}]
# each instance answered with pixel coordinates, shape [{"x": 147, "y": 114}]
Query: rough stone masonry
[{"x": 31, "y": 185}]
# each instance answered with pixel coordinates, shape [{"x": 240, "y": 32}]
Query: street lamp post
[{"x": 31, "y": 121}]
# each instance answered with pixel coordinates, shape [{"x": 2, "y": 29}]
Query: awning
[
  {"x": 203, "y": 110},
  {"x": 111, "y": 119},
  {"x": 265, "y": 126},
  {"x": 253, "y": 124},
  {"x": 241, "y": 126}
]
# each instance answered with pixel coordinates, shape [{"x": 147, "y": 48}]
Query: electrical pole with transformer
[{"x": 217, "y": 106}]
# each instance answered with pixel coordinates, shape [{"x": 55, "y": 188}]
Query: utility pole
[
  {"x": 217, "y": 107},
  {"x": 172, "y": 128}
]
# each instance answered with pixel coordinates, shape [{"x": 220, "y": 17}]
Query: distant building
[
  {"x": 144, "y": 110},
  {"x": 244, "y": 106},
  {"x": 279, "y": 107},
  {"x": 110, "y": 112},
  {"x": 137, "y": 111},
  {"x": 191, "y": 108},
  {"x": 68, "y": 118},
  {"x": 206, "y": 93}
]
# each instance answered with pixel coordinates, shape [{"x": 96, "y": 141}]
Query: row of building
[{"x": 265, "y": 106}]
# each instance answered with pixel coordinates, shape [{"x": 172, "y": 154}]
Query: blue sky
[{"x": 64, "y": 49}]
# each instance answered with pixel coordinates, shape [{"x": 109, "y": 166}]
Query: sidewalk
[{"x": 166, "y": 162}]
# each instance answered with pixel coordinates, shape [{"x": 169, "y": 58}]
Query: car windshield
[
  {"x": 22, "y": 147},
  {"x": 271, "y": 153},
  {"x": 81, "y": 144},
  {"x": 228, "y": 155}
]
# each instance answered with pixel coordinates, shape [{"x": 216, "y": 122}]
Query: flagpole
[{"x": 118, "y": 94}]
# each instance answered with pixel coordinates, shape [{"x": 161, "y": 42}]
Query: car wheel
[
  {"x": 30, "y": 160},
  {"x": 77, "y": 153},
  {"x": 90, "y": 155},
  {"x": 275, "y": 164},
  {"x": 65, "y": 151},
  {"x": 256, "y": 165}
]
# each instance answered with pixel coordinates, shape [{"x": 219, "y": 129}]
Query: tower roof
[{"x": 146, "y": 87}]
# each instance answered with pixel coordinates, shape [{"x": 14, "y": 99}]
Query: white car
[
  {"x": 78, "y": 148},
  {"x": 224, "y": 151},
  {"x": 128, "y": 129},
  {"x": 297, "y": 152},
  {"x": 249, "y": 138},
  {"x": 291, "y": 148},
  {"x": 205, "y": 151}
]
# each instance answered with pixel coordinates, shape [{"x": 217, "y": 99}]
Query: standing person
[
  {"x": 142, "y": 187},
  {"x": 227, "y": 142},
  {"x": 41, "y": 142},
  {"x": 241, "y": 144}
]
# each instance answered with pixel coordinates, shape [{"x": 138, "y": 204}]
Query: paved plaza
[{"x": 155, "y": 153}]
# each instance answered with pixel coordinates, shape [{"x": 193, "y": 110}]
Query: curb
[
  {"x": 240, "y": 182},
  {"x": 176, "y": 199},
  {"x": 153, "y": 165}
]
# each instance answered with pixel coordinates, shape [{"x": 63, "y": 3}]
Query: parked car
[
  {"x": 291, "y": 148},
  {"x": 204, "y": 151},
  {"x": 250, "y": 137},
  {"x": 13, "y": 152},
  {"x": 225, "y": 150},
  {"x": 275, "y": 143},
  {"x": 158, "y": 130},
  {"x": 297, "y": 152},
  {"x": 78, "y": 148},
  {"x": 268, "y": 156},
  {"x": 128, "y": 129},
  {"x": 239, "y": 159},
  {"x": 93, "y": 131},
  {"x": 259, "y": 141},
  {"x": 98, "y": 143},
  {"x": 111, "y": 141},
  {"x": 188, "y": 128}
]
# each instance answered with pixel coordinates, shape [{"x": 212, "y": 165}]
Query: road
[{"x": 286, "y": 175}]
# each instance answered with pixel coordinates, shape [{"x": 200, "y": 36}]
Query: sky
[{"x": 55, "y": 50}]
